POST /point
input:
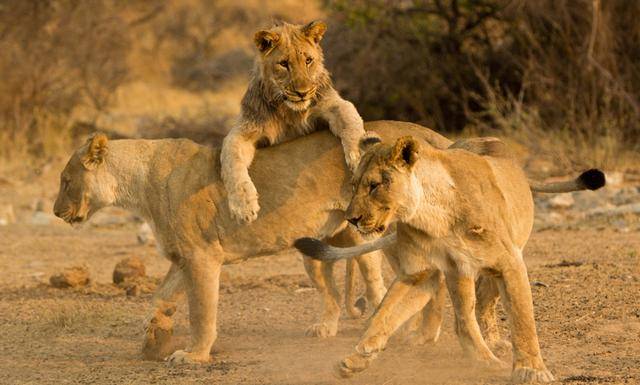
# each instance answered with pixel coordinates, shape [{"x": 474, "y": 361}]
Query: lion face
[
  {"x": 291, "y": 62},
  {"x": 385, "y": 189},
  {"x": 85, "y": 185}
]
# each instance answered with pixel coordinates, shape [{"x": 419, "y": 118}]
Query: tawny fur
[
  {"x": 175, "y": 185},
  {"x": 289, "y": 95}
]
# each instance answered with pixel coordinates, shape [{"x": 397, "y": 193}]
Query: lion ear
[
  {"x": 96, "y": 151},
  {"x": 405, "y": 152},
  {"x": 315, "y": 30},
  {"x": 266, "y": 41},
  {"x": 367, "y": 141}
]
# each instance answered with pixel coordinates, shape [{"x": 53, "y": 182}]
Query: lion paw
[
  {"x": 521, "y": 375},
  {"x": 180, "y": 357},
  {"x": 243, "y": 203},
  {"x": 322, "y": 330},
  {"x": 157, "y": 338},
  {"x": 353, "y": 159},
  {"x": 353, "y": 364}
]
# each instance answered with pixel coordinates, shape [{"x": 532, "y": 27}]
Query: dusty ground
[{"x": 588, "y": 317}]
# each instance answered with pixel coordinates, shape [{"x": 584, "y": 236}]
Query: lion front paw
[
  {"x": 322, "y": 330},
  {"x": 353, "y": 159},
  {"x": 523, "y": 375},
  {"x": 353, "y": 364},
  {"x": 243, "y": 203},
  {"x": 180, "y": 357}
]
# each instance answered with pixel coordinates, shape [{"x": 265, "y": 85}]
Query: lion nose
[
  {"x": 354, "y": 221},
  {"x": 303, "y": 94}
]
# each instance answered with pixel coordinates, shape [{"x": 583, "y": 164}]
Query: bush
[
  {"x": 56, "y": 55},
  {"x": 558, "y": 65}
]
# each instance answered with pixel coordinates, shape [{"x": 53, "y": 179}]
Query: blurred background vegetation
[{"x": 559, "y": 77}]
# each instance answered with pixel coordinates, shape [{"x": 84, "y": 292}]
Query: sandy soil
[{"x": 588, "y": 317}]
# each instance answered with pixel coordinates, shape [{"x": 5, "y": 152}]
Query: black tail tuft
[
  {"x": 592, "y": 179},
  {"x": 311, "y": 247}
]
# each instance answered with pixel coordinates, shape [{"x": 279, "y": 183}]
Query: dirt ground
[{"x": 586, "y": 286}]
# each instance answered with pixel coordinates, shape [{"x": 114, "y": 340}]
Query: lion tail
[
  {"x": 319, "y": 250},
  {"x": 589, "y": 180}
]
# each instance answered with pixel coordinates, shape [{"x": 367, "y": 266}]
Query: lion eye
[
  {"x": 309, "y": 60},
  {"x": 284, "y": 64},
  {"x": 373, "y": 186}
]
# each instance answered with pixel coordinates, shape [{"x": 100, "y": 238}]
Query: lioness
[
  {"x": 466, "y": 212},
  {"x": 290, "y": 94},
  {"x": 175, "y": 186}
]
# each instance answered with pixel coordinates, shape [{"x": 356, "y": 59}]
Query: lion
[
  {"x": 175, "y": 185},
  {"x": 290, "y": 94},
  {"x": 462, "y": 213}
]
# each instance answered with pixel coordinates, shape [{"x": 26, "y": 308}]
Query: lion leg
[
  {"x": 487, "y": 295},
  {"x": 515, "y": 292},
  {"x": 406, "y": 296},
  {"x": 463, "y": 296},
  {"x": 345, "y": 123},
  {"x": 203, "y": 274},
  {"x": 355, "y": 307},
  {"x": 427, "y": 331},
  {"x": 235, "y": 157},
  {"x": 370, "y": 267},
  {"x": 321, "y": 275},
  {"x": 159, "y": 325}
]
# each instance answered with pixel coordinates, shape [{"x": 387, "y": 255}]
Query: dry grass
[{"x": 557, "y": 76}]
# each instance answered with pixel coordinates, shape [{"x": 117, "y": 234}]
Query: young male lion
[
  {"x": 466, "y": 212},
  {"x": 289, "y": 95}
]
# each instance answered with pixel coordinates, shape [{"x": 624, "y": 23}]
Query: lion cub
[{"x": 289, "y": 94}]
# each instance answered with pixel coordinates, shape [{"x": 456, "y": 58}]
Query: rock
[
  {"x": 7, "y": 215},
  {"x": 561, "y": 201},
  {"x": 133, "y": 290},
  {"x": 71, "y": 277},
  {"x": 145, "y": 234},
  {"x": 128, "y": 269}
]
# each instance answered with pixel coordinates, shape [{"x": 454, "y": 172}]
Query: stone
[
  {"x": 76, "y": 276},
  {"x": 128, "y": 269}
]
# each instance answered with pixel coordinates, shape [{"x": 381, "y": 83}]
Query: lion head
[
  {"x": 384, "y": 187},
  {"x": 85, "y": 185},
  {"x": 291, "y": 63}
]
